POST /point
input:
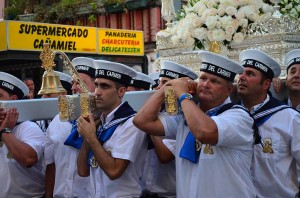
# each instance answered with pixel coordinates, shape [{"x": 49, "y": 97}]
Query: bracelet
[{"x": 185, "y": 96}]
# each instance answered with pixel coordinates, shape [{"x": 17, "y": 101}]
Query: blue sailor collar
[{"x": 215, "y": 109}]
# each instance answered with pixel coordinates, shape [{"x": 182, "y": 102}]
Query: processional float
[
  {"x": 276, "y": 35},
  {"x": 69, "y": 107}
]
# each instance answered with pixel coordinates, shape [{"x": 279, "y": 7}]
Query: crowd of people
[{"x": 213, "y": 147}]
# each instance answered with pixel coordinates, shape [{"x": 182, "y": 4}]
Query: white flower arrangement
[
  {"x": 290, "y": 8},
  {"x": 218, "y": 20}
]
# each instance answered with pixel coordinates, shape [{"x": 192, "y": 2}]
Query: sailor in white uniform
[
  {"x": 214, "y": 140},
  {"x": 21, "y": 146},
  {"x": 292, "y": 63},
  {"x": 159, "y": 176},
  {"x": 113, "y": 156},
  {"x": 274, "y": 170},
  {"x": 62, "y": 179}
]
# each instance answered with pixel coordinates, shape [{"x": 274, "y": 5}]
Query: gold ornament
[
  {"x": 198, "y": 145},
  {"x": 93, "y": 162},
  {"x": 63, "y": 108},
  {"x": 47, "y": 57},
  {"x": 215, "y": 47},
  {"x": 171, "y": 101},
  {"x": 267, "y": 147},
  {"x": 84, "y": 104},
  {"x": 208, "y": 149},
  {"x": 50, "y": 81}
]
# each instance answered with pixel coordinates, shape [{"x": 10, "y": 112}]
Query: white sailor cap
[
  {"x": 64, "y": 77},
  {"x": 155, "y": 78},
  {"x": 261, "y": 61},
  {"x": 84, "y": 65},
  {"x": 13, "y": 85},
  {"x": 66, "y": 81},
  {"x": 114, "y": 71},
  {"x": 220, "y": 66},
  {"x": 141, "y": 81},
  {"x": 174, "y": 70},
  {"x": 292, "y": 58}
]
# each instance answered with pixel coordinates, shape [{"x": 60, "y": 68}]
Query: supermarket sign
[
  {"x": 32, "y": 36},
  {"x": 29, "y": 36},
  {"x": 120, "y": 42}
]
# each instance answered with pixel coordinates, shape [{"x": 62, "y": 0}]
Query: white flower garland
[{"x": 218, "y": 20}]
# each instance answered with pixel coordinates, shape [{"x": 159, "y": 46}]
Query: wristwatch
[
  {"x": 185, "y": 96},
  {"x": 5, "y": 130}
]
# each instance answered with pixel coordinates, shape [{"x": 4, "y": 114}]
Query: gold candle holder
[
  {"x": 63, "y": 108},
  {"x": 87, "y": 104},
  {"x": 171, "y": 102},
  {"x": 84, "y": 104}
]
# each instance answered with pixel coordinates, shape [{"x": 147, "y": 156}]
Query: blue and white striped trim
[
  {"x": 270, "y": 111},
  {"x": 114, "y": 122}
]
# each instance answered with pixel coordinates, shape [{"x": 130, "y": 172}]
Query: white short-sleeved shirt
[
  {"x": 17, "y": 180},
  {"x": 128, "y": 143},
  {"x": 67, "y": 181},
  {"x": 157, "y": 177},
  {"x": 226, "y": 172},
  {"x": 170, "y": 144},
  {"x": 298, "y": 165},
  {"x": 274, "y": 174}
]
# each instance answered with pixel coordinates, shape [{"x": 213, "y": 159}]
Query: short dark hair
[
  {"x": 118, "y": 85},
  {"x": 11, "y": 94},
  {"x": 263, "y": 78}
]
